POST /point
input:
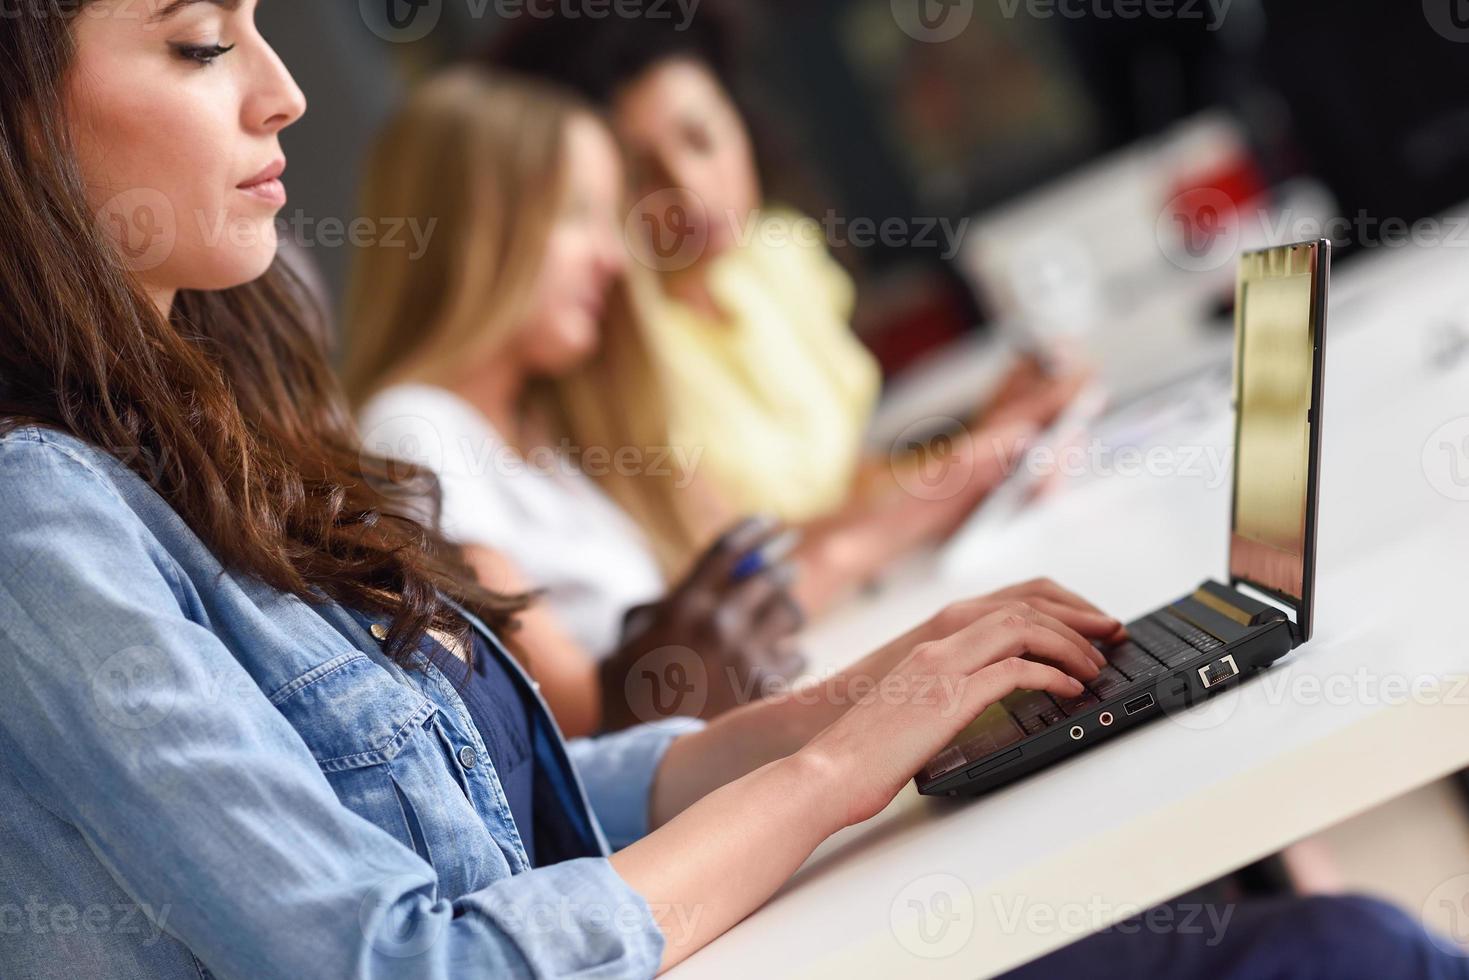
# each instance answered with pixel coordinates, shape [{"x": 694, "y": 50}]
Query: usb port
[
  {"x": 1220, "y": 670},
  {"x": 1140, "y": 703}
]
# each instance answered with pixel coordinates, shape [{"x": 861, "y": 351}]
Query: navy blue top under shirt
[
  {"x": 498, "y": 709},
  {"x": 503, "y": 708}
]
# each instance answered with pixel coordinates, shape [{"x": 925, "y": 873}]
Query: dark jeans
[{"x": 1346, "y": 938}]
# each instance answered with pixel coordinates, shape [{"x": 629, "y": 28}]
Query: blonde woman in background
[
  {"x": 752, "y": 320},
  {"x": 511, "y": 359},
  {"x": 480, "y": 359}
]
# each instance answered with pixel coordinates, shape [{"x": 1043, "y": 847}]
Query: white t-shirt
[{"x": 563, "y": 533}]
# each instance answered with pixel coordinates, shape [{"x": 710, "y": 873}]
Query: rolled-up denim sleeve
[
  {"x": 618, "y": 771},
  {"x": 211, "y": 806}
]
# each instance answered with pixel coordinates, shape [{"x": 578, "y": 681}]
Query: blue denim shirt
[{"x": 203, "y": 776}]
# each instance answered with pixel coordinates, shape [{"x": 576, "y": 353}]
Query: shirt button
[
  {"x": 467, "y": 756},
  {"x": 379, "y": 632}
]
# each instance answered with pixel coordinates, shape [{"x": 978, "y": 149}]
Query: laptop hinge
[{"x": 1258, "y": 598}]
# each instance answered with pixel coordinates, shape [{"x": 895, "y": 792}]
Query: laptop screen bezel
[{"x": 1320, "y": 261}]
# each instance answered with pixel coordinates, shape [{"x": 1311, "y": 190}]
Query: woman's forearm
[
  {"x": 779, "y": 725},
  {"x": 782, "y": 723},
  {"x": 700, "y": 871},
  {"x": 773, "y": 779},
  {"x": 733, "y": 745}
]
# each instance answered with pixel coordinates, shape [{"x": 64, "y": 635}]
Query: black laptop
[{"x": 1217, "y": 635}]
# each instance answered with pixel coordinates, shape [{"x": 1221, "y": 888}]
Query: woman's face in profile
[
  {"x": 175, "y": 108},
  {"x": 685, "y": 137},
  {"x": 585, "y": 252}
]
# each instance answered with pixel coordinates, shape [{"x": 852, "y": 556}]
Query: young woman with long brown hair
[{"x": 231, "y": 672}]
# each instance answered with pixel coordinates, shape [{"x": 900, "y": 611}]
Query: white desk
[{"x": 1331, "y": 731}]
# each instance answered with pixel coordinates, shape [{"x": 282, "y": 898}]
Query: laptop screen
[{"x": 1281, "y": 296}]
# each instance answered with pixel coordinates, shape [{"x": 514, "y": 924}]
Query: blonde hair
[{"x": 482, "y": 156}]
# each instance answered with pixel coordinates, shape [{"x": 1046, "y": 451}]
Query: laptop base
[{"x": 1176, "y": 657}]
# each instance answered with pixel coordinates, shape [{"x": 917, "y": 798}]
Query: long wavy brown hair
[{"x": 227, "y": 407}]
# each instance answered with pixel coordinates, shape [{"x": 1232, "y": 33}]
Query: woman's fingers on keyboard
[
  {"x": 1088, "y": 624},
  {"x": 1069, "y": 607}
]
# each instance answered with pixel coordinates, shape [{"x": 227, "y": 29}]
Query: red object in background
[
  {"x": 917, "y": 314},
  {"x": 1207, "y": 198},
  {"x": 1239, "y": 179}
]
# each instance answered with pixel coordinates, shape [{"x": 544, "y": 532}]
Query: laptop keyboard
[{"x": 1156, "y": 644}]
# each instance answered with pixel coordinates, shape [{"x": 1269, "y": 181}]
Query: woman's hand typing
[{"x": 779, "y": 777}]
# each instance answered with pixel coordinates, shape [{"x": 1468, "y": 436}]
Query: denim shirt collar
[{"x": 483, "y": 783}]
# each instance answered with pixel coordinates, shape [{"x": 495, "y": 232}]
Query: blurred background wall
[{"x": 871, "y": 119}]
